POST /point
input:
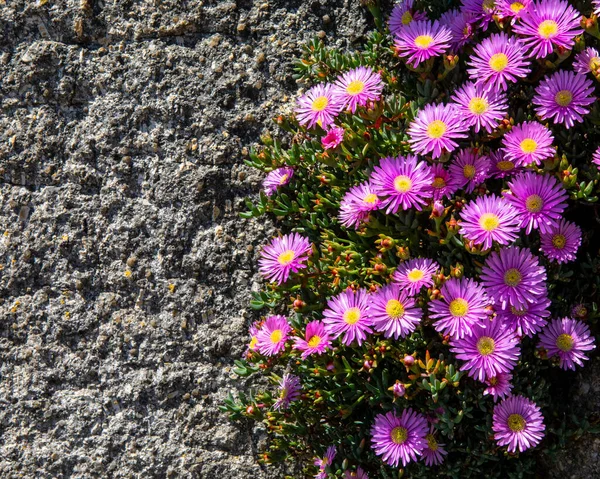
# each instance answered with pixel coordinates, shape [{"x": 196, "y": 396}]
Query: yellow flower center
[
  {"x": 399, "y": 435},
  {"x": 563, "y": 98},
  {"x": 559, "y": 241},
  {"x": 439, "y": 182},
  {"x": 423, "y": 41},
  {"x": 314, "y": 341},
  {"x": 320, "y": 103},
  {"x": 407, "y": 18},
  {"x": 505, "y": 165},
  {"x": 394, "y": 309},
  {"x": 355, "y": 87},
  {"x": 283, "y": 179},
  {"x": 498, "y": 62},
  {"x": 534, "y": 203},
  {"x": 352, "y": 315},
  {"x": 493, "y": 381},
  {"x": 488, "y": 4},
  {"x": 518, "y": 312},
  {"x": 486, "y": 345},
  {"x": 436, "y": 129},
  {"x": 431, "y": 442},
  {"x": 469, "y": 171},
  {"x": 253, "y": 342},
  {"x": 594, "y": 63},
  {"x": 564, "y": 342},
  {"x": 548, "y": 29},
  {"x": 516, "y": 7},
  {"x": 478, "y": 105},
  {"x": 370, "y": 199},
  {"x": 276, "y": 336},
  {"x": 286, "y": 257},
  {"x": 402, "y": 184},
  {"x": 489, "y": 221},
  {"x": 458, "y": 307},
  {"x": 528, "y": 145},
  {"x": 512, "y": 277},
  {"x": 415, "y": 275},
  {"x": 516, "y": 422}
]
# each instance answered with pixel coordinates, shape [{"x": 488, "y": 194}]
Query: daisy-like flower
[
  {"x": 358, "y": 86},
  {"x": 316, "y": 340},
  {"x": 393, "y": 312},
  {"x": 492, "y": 348},
  {"x": 488, "y": 219},
  {"x": 527, "y": 319},
  {"x": 547, "y": 24},
  {"x": 434, "y": 452},
  {"x": 568, "y": 339},
  {"x": 289, "y": 390},
  {"x": 346, "y": 314},
  {"x": 324, "y": 462},
  {"x": 563, "y": 97},
  {"x": 518, "y": 424},
  {"x": 470, "y": 169},
  {"x": 513, "y": 277},
  {"x": 404, "y": 182},
  {"x": 334, "y": 136},
  {"x": 318, "y": 106},
  {"x": 587, "y": 61},
  {"x": 422, "y": 40},
  {"x": 270, "y": 340},
  {"x": 561, "y": 242},
  {"x": 443, "y": 184},
  {"x": 497, "y": 61},
  {"x": 412, "y": 275},
  {"x": 253, "y": 331},
  {"x": 540, "y": 200},
  {"x": 512, "y": 8},
  {"x": 596, "y": 158},
  {"x": 357, "y": 203},
  {"x": 482, "y": 10},
  {"x": 435, "y": 128},
  {"x": 404, "y": 14},
  {"x": 276, "y": 178},
  {"x": 498, "y": 386},
  {"x": 284, "y": 255},
  {"x": 399, "y": 438},
  {"x": 463, "y": 304},
  {"x": 502, "y": 167},
  {"x": 481, "y": 109},
  {"x": 528, "y": 142},
  {"x": 359, "y": 474},
  {"x": 579, "y": 311},
  {"x": 461, "y": 27}
]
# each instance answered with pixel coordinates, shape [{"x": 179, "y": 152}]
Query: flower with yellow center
[
  {"x": 438, "y": 182},
  {"x": 516, "y": 7},
  {"x": 516, "y": 422},
  {"x": 559, "y": 241},
  {"x": 320, "y": 103},
  {"x": 436, "y": 129},
  {"x": 394, "y": 308},
  {"x": 534, "y": 203},
  {"x": 478, "y": 105},
  {"x": 402, "y": 184},
  {"x": 415, "y": 275},
  {"x": 399, "y": 435},
  {"x": 512, "y": 277},
  {"x": 505, "y": 165},
  {"x": 563, "y": 98},
  {"x": 565, "y": 342},
  {"x": 548, "y": 29},
  {"x": 458, "y": 307},
  {"x": 286, "y": 257},
  {"x": 276, "y": 336},
  {"x": 284, "y": 179},
  {"x": 355, "y": 87},
  {"x": 498, "y": 62},
  {"x": 431, "y": 442},
  {"x": 370, "y": 199},
  {"x": 489, "y": 221},
  {"x": 407, "y": 18},
  {"x": 352, "y": 316},
  {"x": 423, "y": 41},
  {"x": 528, "y": 145},
  {"x": 486, "y": 345},
  {"x": 253, "y": 342},
  {"x": 468, "y": 171},
  {"x": 314, "y": 341}
]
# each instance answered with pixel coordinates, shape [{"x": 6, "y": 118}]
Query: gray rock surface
[{"x": 126, "y": 270}]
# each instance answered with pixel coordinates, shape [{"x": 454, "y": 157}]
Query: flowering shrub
[{"x": 436, "y": 282}]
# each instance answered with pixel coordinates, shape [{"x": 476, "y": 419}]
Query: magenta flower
[
  {"x": 481, "y": 109},
  {"x": 497, "y": 61},
  {"x": 568, "y": 339},
  {"x": 316, "y": 340},
  {"x": 399, "y": 438},
  {"x": 563, "y": 97},
  {"x": 412, "y": 275},
  {"x": 318, "y": 106},
  {"x": 587, "y": 61},
  {"x": 346, "y": 314},
  {"x": 596, "y": 4},
  {"x": 482, "y": 11},
  {"x": 333, "y": 138},
  {"x": 461, "y": 27},
  {"x": 513, "y": 277},
  {"x": 548, "y": 24},
  {"x": 422, "y": 40},
  {"x": 276, "y": 178},
  {"x": 518, "y": 424},
  {"x": 502, "y": 167},
  {"x": 596, "y": 158},
  {"x": 512, "y": 8},
  {"x": 404, "y": 14},
  {"x": 435, "y": 128},
  {"x": 443, "y": 184},
  {"x": 498, "y": 386},
  {"x": 463, "y": 304},
  {"x": 359, "y": 474},
  {"x": 528, "y": 142},
  {"x": 393, "y": 312},
  {"x": 434, "y": 452},
  {"x": 289, "y": 391},
  {"x": 324, "y": 462},
  {"x": 470, "y": 169},
  {"x": 527, "y": 319},
  {"x": 561, "y": 242},
  {"x": 403, "y": 182},
  {"x": 253, "y": 331},
  {"x": 488, "y": 219},
  {"x": 284, "y": 255},
  {"x": 357, "y": 87},
  {"x": 540, "y": 200},
  {"x": 357, "y": 203},
  {"x": 270, "y": 340}
]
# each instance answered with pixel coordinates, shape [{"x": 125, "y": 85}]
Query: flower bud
[
  {"x": 408, "y": 361},
  {"x": 398, "y": 389}
]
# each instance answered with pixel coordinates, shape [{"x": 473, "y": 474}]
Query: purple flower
[
  {"x": 502, "y": 167},
  {"x": 587, "y": 61},
  {"x": 547, "y": 24},
  {"x": 316, "y": 340},
  {"x": 253, "y": 331},
  {"x": 481, "y": 10},
  {"x": 563, "y": 97},
  {"x": 596, "y": 4},
  {"x": 568, "y": 339},
  {"x": 512, "y": 8},
  {"x": 422, "y": 40},
  {"x": 318, "y": 106},
  {"x": 561, "y": 242},
  {"x": 463, "y": 304},
  {"x": 270, "y": 340},
  {"x": 357, "y": 87},
  {"x": 393, "y": 312},
  {"x": 470, "y": 169},
  {"x": 434, "y": 452},
  {"x": 497, "y": 61},
  {"x": 346, "y": 314},
  {"x": 435, "y": 128},
  {"x": 412, "y": 275},
  {"x": 276, "y": 178},
  {"x": 480, "y": 108},
  {"x": 460, "y": 25},
  {"x": 334, "y": 136},
  {"x": 443, "y": 184},
  {"x": 289, "y": 391},
  {"x": 527, "y": 319},
  {"x": 596, "y": 158},
  {"x": 404, "y": 14},
  {"x": 357, "y": 203},
  {"x": 324, "y": 462},
  {"x": 399, "y": 438},
  {"x": 405, "y": 183},
  {"x": 540, "y": 200},
  {"x": 488, "y": 219},
  {"x": 359, "y": 474},
  {"x": 518, "y": 423},
  {"x": 513, "y": 277},
  {"x": 284, "y": 255},
  {"x": 498, "y": 386},
  {"x": 528, "y": 142}
]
